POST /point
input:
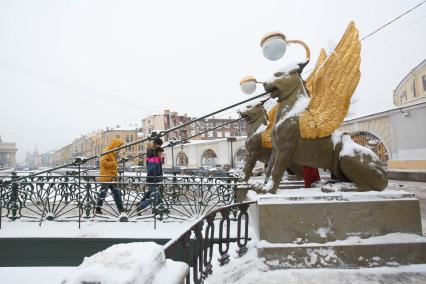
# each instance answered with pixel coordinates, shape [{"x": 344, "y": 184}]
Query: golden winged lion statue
[{"x": 308, "y": 114}]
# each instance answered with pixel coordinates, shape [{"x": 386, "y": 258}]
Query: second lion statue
[{"x": 309, "y": 114}]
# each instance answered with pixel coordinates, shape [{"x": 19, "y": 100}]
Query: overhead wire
[
  {"x": 68, "y": 85},
  {"x": 393, "y": 20},
  {"x": 382, "y": 27}
]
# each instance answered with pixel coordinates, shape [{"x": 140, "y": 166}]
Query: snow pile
[
  {"x": 131, "y": 263},
  {"x": 245, "y": 108},
  {"x": 321, "y": 256},
  {"x": 336, "y": 137},
  {"x": 94, "y": 229},
  {"x": 315, "y": 195},
  {"x": 256, "y": 275},
  {"x": 260, "y": 129},
  {"x": 323, "y": 232},
  {"x": 340, "y": 186},
  {"x": 252, "y": 269},
  {"x": 391, "y": 238},
  {"x": 238, "y": 267},
  {"x": 300, "y": 105},
  {"x": 350, "y": 148},
  {"x": 269, "y": 104},
  {"x": 267, "y": 187},
  {"x": 287, "y": 70}
]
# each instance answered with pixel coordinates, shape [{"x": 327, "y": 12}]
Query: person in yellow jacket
[{"x": 108, "y": 172}]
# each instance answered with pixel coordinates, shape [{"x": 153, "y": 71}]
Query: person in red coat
[{"x": 310, "y": 175}]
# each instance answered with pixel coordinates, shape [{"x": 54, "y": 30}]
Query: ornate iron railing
[
  {"x": 74, "y": 197},
  {"x": 201, "y": 256}
]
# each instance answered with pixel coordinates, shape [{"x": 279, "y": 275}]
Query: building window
[
  {"x": 424, "y": 83},
  {"x": 404, "y": 96},
  {"x": 127, "y": 138},
  {"x": 414, "y": 88}
]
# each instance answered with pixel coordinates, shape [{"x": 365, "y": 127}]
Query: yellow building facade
[
  {"x": 93, "y": 144},
  {"x": 412, "y": 89}
]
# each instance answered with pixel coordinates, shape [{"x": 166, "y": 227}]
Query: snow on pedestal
[
  {"x": 317, "y": 217},
  {"x": 310, "y": 228},
  {"x": 133, "y": 263}
]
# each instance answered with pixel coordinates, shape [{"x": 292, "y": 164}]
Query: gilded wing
[
  {"x": 311, "y": 79},
  {"x": 267, "y": 133},
  {"x": 272, "y": 114},
  {"x": 332, "y": 88}
]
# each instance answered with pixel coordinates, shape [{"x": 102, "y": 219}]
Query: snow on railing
[{"x": 203, "y": 243}]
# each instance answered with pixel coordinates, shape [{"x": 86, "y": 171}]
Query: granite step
[{"x": 389, "y": 250}]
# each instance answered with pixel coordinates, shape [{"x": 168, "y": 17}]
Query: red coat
[{"x": 310, "y": 175}]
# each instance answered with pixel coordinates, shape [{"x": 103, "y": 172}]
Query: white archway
[
  {"x": 208, "y": 158},
  {"x": 240, "y": 157},
  {"x": 181, "y": 159}
]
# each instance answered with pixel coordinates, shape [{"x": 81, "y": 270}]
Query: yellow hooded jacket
[{"x": 108, "y": 168}]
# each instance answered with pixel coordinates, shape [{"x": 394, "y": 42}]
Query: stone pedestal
[{"x": 304, "y": 227}]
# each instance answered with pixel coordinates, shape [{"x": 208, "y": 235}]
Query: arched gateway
[
  {"x": 372, "y": 142},
  {"x": 208, "y": 158},
  {"x": 182, "y": 159}
]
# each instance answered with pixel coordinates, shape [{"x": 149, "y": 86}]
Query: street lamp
[
  {"x": 232, "y": 139},
  {"x": 274, "y": 46},
  {"x": 248, "y": 85}
]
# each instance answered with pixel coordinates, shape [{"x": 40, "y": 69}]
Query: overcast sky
[{"x": 68, "y": 67}]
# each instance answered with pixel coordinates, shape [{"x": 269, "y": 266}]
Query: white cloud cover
[{"x": 67, "y": 67}]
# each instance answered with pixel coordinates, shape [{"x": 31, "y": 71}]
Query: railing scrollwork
[
  {"x": 73, "y": 197},
  {"x": 204, "y": 240}
]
